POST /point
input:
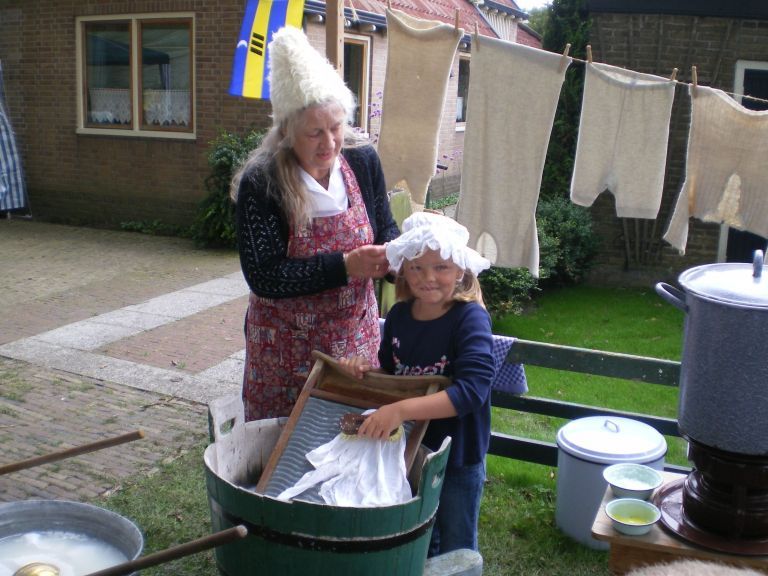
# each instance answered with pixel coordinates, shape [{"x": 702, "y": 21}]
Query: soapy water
[{"x": 74, "y": 554}]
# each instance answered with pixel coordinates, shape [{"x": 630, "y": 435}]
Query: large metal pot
[{"x": 724, "y": 365}]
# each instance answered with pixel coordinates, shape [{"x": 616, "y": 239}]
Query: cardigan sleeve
[
  {"x": 262, "y": 240},
  {"x": 366, "y": 165}
]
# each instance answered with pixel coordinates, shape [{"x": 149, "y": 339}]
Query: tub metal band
[{"x": 333, "y": 544}]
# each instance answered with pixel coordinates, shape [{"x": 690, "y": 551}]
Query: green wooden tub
[{"x": 305, "y": 538}]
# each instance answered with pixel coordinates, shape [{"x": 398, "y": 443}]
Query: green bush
[
  {"x": 214, "y": 225},
  {"x": 505, "y": 290},
  {"x": 566, "y": 241},
  {"x": 567, "y": 248}
]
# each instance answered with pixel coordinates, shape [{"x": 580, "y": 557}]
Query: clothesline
[{"x": 671, "y": 78}]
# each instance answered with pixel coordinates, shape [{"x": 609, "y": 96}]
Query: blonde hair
[
  {"x": 467, "y": 289},
  {"x": 277, "y": 162}
]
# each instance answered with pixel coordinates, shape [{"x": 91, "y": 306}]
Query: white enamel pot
[{"x": 724, "y": 365}]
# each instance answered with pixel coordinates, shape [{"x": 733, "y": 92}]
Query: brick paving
[
  {"x": 211, "y": 337},
  {"x": 51, "y": 276}
]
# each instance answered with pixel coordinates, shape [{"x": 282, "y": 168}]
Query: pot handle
[
  {"x": 757, "y": 264},
  {"x": 672, "y": 295}
]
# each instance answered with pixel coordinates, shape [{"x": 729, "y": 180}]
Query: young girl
[{"x": 440, "y": 326}]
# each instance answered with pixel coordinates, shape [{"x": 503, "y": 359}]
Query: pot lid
[
  {"x": 610, "y": 440},
  {"x": 734, "y": 283}
]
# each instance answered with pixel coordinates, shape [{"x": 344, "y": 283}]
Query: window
[
  {"x": 463, "y": 92},
  {"x": 356, "y": 56},
  {"x": 136, "y": 75}
]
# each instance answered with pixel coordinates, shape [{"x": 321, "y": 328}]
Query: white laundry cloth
[
  {"x": 725, "y": 176},
  {"x": 356, "y": 471},
  {"x": 512, "y": 101},
  {"x": 419, "y": 58},
  {"x": 623, "y": 134}
]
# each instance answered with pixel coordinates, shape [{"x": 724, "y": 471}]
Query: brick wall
[
  {"x": 105, "y": 180},
  {"x": 632, "y": 250}
]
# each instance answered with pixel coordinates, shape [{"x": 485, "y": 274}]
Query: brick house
[
  {"x": 728, "y": 43},
  {"x": 115, "y": 103}
]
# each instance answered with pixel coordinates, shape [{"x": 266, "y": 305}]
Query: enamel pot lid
[
  {"x": 610, "y": 440},
  {"x": 737, "y": 284}
]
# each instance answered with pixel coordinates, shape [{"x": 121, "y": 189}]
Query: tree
[
  {"x": 538, "y": 19},
  {"x": 567, "y": 24}
]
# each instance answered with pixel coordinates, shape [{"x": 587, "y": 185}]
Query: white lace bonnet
[{"x": 424, "y": 231}]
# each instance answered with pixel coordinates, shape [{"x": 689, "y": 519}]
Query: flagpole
[{"x": 334, "y": 34}]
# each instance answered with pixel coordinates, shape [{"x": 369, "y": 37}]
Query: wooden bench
[{"x": 585, "y": 361}]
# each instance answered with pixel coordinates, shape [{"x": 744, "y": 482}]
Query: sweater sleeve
[
  {"x": 262, "y": 239},
  {"x": 473, "y": 367}
]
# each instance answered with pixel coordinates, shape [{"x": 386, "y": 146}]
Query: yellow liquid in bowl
[{"x": 633, "y": 519}]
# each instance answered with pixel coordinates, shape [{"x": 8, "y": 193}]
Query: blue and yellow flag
[{"x": 262, "y": 19}]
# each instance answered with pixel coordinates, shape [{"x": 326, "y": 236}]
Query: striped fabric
[
  {"x": 261, "y": 20},
  {"x": 13, "y": 193}
]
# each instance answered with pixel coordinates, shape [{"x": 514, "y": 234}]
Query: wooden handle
[
  {"x": 68, "y": 453},
  {"x": 175, "y": 552}
]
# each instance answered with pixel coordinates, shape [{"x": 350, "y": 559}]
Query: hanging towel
[
  {"x": 725, "y": 176},
  {"x": 623, "y": 133},
  {"x": 513, "y": 96},
  {"x": 509, "y": 377},
  {"x": 357, "y": 471},
  {"x": 419, "y": 58}
]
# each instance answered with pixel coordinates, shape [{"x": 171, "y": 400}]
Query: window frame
[
  {"x": 136, "y": 128},
  {"x": 365, "y": 88},
  {"x": 463, "y": 57}
]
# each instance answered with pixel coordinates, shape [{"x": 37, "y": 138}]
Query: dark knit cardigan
[{"x": 262, "y": 234}]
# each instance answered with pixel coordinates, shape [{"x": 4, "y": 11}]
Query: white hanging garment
[
  {"x": 725, "y": 176},
  {"x": 419, "y": 58},
  {"x": 513, "y": 93},
  {"x": 623, "y": 134}
]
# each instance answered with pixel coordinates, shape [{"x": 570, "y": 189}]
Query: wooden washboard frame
[{"x": 329, "y": 381}]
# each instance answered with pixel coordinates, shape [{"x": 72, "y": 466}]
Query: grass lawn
[{"x": 517, "y": 530}]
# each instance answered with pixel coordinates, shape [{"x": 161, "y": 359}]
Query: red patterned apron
[{"x": 281, "y": 333}]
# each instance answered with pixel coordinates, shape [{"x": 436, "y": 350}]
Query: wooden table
[{"x": 659, "y": 545}]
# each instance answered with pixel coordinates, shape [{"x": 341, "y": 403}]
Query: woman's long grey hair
[{"x": 275, "y": 161}]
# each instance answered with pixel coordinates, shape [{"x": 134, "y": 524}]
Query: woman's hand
[
  {"x": 369, "y": 261},
  {"x": 356, "y": 366},
  {"x": 380, "y": 424}
]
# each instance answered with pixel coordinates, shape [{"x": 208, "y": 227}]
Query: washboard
[{"x": 328, "y": 393}]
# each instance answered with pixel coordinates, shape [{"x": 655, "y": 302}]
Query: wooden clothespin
[
  {"x": 564, "y": 60},
  {"x": 589, "y": 53},
  {"x": 694, "y": 81},
  {"x": 673, "y": 77},
  {"x": 389, "y": 4},
  {"x": 456, "y": 24}
]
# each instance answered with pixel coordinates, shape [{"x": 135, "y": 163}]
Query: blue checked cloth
[{"x": 509, "y": 377}]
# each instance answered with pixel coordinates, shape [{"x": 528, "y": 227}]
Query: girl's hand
[
  {"x": 356, "y": 366},
  {"x": 380, "y": 424}
]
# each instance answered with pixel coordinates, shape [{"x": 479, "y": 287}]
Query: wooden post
[{"x": 334, "y": 34}]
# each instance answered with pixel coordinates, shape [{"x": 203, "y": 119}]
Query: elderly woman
[{"x": 312, "y": 219}]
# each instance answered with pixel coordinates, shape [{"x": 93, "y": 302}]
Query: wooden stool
[{"x": 659, "y": 546}]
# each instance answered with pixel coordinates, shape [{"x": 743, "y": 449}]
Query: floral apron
[{"x": 341, "y": 322}]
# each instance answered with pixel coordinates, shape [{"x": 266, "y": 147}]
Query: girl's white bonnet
[{"x": 424, "y": 231}]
